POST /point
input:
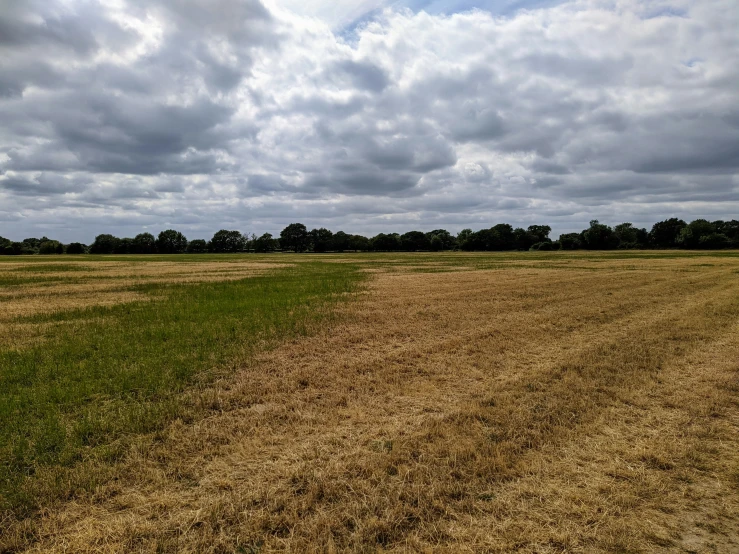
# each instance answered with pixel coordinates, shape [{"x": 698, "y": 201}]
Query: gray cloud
[
  {"x": 364, "y": 75},
  {"x": 201, "y": 114},
  {"x": 42, "y": 185}
]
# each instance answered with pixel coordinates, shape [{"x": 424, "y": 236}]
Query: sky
[{"x": 367, "y": 116}]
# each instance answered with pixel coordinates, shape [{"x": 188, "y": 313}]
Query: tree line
[{"x": 670, "y": 233}]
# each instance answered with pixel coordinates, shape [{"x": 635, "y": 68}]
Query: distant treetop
[{"x": 670, "y": 233}]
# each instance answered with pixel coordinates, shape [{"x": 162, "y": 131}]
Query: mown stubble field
[{"x": 563, "y": 402}]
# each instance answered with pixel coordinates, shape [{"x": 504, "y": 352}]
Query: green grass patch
[
  {"x": 111, "y": 373},
  {"x": 52, "y": 268},
  {"x": 10, "y": 280}
]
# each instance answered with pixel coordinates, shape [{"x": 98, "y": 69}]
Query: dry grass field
[{"x": 563, "y": 402}]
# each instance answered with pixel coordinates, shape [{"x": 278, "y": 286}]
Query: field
[{"x": 518, "y": 402}]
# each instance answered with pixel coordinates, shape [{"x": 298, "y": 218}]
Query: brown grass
[{"x": 525, "y": 409}]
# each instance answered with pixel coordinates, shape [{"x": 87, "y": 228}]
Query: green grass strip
[{"x": 121, "y": 371}]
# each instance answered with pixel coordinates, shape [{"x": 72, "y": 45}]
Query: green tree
[
  {"x": 630, "y": 236},
  {"x": 664, "y": 234},
  {"x": 9, "y": 248},
  {"x": 321, "y": 240},
  {"x": 484, "y": 240},
  {"x": 599, "y": 237},
  {"x": 104, "y": 244},
  {"x": 524, "y": 239},
  {"x": 341, "y": 241},
  {"x": 294, "y": 237},
  {"x": 414, "y": 241},
  {"x": 6, "y": 247},
  {"x": 76, "y": 248},
  {"x": 463, "y": 239},
  {"x": 171, "y": 242},
  {"x": 197, "y": 246},
  {"x": 714, "y": 241},
  {"x": 125, "y": 246},
  {"x": 731, "y": 230},
  {"x": 227, "y": 241},
  {"x": 144, "y": 243},
  {"x": 448, "y": 241},
  {"x": 541, "y": 232},
  {"x": 385, "y": 243},
  {"x": 690, "y": 236},
  {"x": 504, "y": 237},
  {"x": 264, "y": 244},
  {"x": 51, "y": 247},
  {"x": 359, "y": 243},
  {"x": 31, "y": 245},
  {"x": 728, "y": 228},
  {"x": 249, "y": 241},
  {"x": 570, "y": 241}
]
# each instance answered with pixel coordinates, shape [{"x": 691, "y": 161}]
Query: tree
[
  {"x": 124, "y": 246},
  {"x": 171, "y": 242},
  {"x": 385, "y": 243},
  {"x": 359, "y": 243},
  {"x": 144, "y": 243},
  {"x": 104, "y": 244},
  {"x": 487, "y": 239},
  {"x": 265, "y": 243},
  {"x": 505, "y": 238},
  {"x": 730, "y": 229},
  {"x": 6, "y": 246},
  {"x": 664, "y": 234},
  {"x": 31, "y": 245},
  {"x": 599, "y": 237},
  {"x": 541, "y": 232},
  {"x": 294, "y": 237},
  {"x": 463, "y": 239},
  {"x": 76, "y": 248},
  {"x": 227, "y": 241},
  {"x": 500, "y": 237},
  {"x": 250, "y": 241},
  {"x": 524, "y": 239},
  {"x": 10, "y": 248},
  {"x": 570, "y": 241},
  {"x": 51, "y": 247},
  {"x": 448, "y": 241},
  {"x": 690, "y": 236},
  {"x": 340, "y": 241},
  {"x": 197, "y": 246},
  {"x": 630, "y": 236},
  {"x": 321, "y": 240},
  {"x": 436, "y": 244},
  {"x": 714, "y": 241},
  {"x": 484, "y": 240},
  {"x": 414, "y": 240}
]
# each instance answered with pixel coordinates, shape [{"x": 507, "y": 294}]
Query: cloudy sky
[{"x": 364, "y": 115}]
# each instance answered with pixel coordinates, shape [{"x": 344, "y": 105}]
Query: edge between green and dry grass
[{"x": 104, "y": 377}]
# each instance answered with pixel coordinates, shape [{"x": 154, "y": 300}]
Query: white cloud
[
  {"x": 335, "y": 14},
  {"x": 147, "y": 114}
]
